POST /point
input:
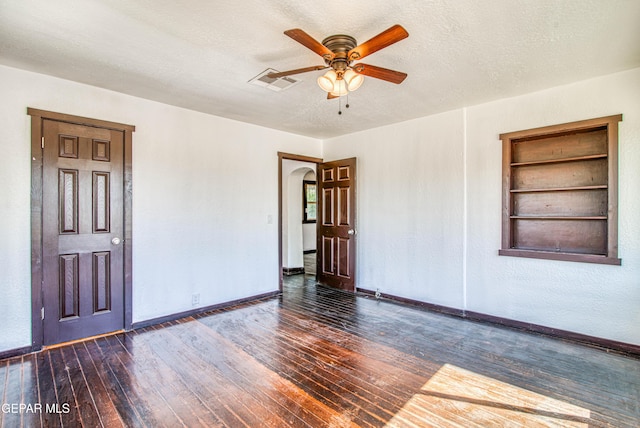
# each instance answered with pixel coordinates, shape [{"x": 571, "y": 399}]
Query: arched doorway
[{"x": 298, "y": 217}]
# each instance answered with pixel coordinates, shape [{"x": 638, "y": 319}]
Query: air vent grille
[{"x": 279, "y": 84}]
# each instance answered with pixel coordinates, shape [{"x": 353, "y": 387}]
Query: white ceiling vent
[{"x": 279, "y": 84}]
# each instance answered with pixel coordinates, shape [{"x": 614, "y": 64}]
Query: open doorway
[
  {"x": 309, "y": 220},
  {"x": 297, "y": 216}
]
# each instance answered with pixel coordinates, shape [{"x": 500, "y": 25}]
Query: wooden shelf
[
  {"x": 557, "y": 255},
  {"x": 533, "y": 217},
  {"x": 560, "y": 160},
  {"x": 560, "y": 189}
]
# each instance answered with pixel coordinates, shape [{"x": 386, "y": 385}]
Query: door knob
[
  {"x": 116, "y": 241},
  {"x": 351, "y": 232}
]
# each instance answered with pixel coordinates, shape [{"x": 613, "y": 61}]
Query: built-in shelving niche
[{"x": 560, "y": 192}]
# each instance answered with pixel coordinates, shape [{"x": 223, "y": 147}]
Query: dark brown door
[
  {"x": 336, "y": 228},
  {"x": 82, "y": 231}
]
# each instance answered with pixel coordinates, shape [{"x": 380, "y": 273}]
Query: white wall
[
  {"x": 410, "y": 205},
  {"x": 429, "y": 213},
  {"x": 204, "y": 188}
]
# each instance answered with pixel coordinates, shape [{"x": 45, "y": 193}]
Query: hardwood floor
[{"x": 319, "y": 357}]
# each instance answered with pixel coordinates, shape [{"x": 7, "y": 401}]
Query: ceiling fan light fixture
[
  {"x": 352, "y": 79},
  {"x": 339, "y": 88},
  {"x": 327, "y": 80},
  {"x": 338, "y": 52},
  {"x": 337, "y": 85}
]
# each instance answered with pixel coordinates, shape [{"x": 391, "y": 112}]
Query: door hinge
[
  {"x": 42, "y": 313},
  {"x": 42, "y": 142}
]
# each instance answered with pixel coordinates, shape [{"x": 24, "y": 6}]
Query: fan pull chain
[{"x": 340, "y": 104}]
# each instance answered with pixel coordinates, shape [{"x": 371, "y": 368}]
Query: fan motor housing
[{"x": 340, "y": 45}]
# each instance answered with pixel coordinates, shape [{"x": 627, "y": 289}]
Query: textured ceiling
[{"x": 200, "y": 54}]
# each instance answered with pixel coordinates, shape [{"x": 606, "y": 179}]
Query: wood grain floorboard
[
  {"x": 491, "y": 351},
  {"x": 206, "y": 384},
  {"x": 448, "y": 411},
  {"x": 362, "y": 372},
  {"x": 12, "y": 393},
  {"x": 321, "y": 386},
  {"x": 190, "y": 407},
  {"x": 30, "y": 390},
  {"x": 155, "y": 377},
  {"x": 84, "y": 402},
  {"x": 144, "y": 396},
  {"x": 318, "y": 357},
  {"x": 118, "y": 390},
  {"x": 65, "y": 392},
  {"x": 324, "y": 367},
  {"x": 250, "y": 410},
  {"x": 47, "y": 389},
  {"x": 249, "y": 376},
  {"x": 105, "y": 406}
]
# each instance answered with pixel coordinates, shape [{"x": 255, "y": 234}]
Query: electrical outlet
[{"x": 195, "y": 299}]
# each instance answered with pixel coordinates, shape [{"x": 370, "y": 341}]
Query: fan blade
[
  {"x": 304, "y": 39},
  {"x": 296, "y": 71},
  {"x": 388, "y": 37},
  {"x": 380, "y": 73}
]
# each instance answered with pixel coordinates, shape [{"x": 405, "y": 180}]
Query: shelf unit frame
[{"x": 510, "y": 191}]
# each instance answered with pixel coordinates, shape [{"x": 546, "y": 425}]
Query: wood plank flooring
[{"x": 316, "y": 357}]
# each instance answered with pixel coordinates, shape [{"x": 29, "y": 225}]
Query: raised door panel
[
  {"x": 328, "y": 174},
  {"x": 68, "y": 201},
  {"x": 343, "y": 172},
  {"x": 101, "y": 150},
  {"x": 343, "y": 208},
  {"x": 343, "y": 256},
  {"x": 68, "y": 146},
  {"x": 69, "y": 286},
  {"x": 101, "y": 278},
  {"x": 101, "y": 202},
  {"x": 327, "y": 265},
  {"x": 328, "y": 207}
]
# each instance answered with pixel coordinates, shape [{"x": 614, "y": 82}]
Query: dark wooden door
[
  {"x": 82, "y": 231},
  {"x": 336, "y": 224}
]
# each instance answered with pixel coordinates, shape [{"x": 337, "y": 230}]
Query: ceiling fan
[{"x": 339, "y": 52}]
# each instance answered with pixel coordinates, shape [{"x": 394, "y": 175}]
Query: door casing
[{"x": 37, "y": 116}]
